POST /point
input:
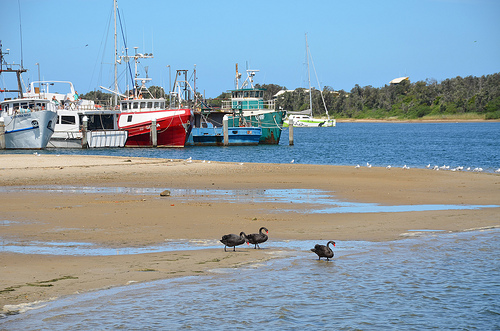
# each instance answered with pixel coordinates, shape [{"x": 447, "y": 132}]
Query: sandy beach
[{"x": 121, "y": 220}]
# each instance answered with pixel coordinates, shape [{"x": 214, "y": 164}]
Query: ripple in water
[{"x": 443, "y": 281}]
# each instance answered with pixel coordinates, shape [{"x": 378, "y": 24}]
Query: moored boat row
[{"x": 41, "y": 118}]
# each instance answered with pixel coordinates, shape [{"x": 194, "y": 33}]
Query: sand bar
[{"x": 117, "y": 219}]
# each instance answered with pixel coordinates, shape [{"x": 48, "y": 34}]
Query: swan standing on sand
[
  {"x": 233, "y": 240},
  {"x": 324, "y": 251},
  {"x": 258, "y": 238}
]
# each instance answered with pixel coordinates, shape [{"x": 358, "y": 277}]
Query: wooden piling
[
  {"x": 154, "y": 134},
  {"x": 2, "y": 133},
  {"x": 84, "y": 132},
  {"x": 225, "y": 129}
]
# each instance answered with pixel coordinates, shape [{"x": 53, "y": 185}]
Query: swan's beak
[{"x": 333, "y": 245}]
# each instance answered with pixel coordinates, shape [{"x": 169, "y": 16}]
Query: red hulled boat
[{"x": 173, "y": 125}]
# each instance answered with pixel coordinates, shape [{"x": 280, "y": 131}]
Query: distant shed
[{"x": 396, "y": 81}]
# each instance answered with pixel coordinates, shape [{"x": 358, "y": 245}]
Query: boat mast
[
  {"x": 8, "y": 68},
  {"x": 116, "y": 58},
  {"x": 309, "y": 77}
]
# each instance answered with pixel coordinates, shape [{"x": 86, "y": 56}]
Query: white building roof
[{"x": 398, "y": 80}]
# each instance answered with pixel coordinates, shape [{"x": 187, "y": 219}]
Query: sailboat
[{"x": 305, "y": 118}]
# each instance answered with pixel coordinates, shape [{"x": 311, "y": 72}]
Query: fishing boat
[
  {"x": 150, "y": 121},
  {"x": 209, "y": 130},
  {"x": 25, "y": 122},
  {"x": 80, "y": 123},
  {"x": 305, "y": 118},
  {"x": 251, "y": 110}
]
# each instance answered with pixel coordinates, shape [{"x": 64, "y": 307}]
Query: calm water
[
  {"x": 381, "y": 144},
  {"x": 437, "y": 281},
  {"x": 428, "y": 280}
]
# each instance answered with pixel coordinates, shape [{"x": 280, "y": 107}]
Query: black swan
[
  {"x": 233, "y": 240},
  {"x": 324, "y": 251},
  {"x": 258, "y": 238}
]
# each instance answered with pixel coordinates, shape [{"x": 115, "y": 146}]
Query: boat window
[
  {"x": 68, "y": 119},
  {"x": 136, "y": 105},
  {"x": 129, "y": 118},
  {"x": 16, "y": 106},
  {"x": 162, "y": 105},
  {"x": 124, "y": 105},
  {"x": 156, "y": 104},
  {"x": 24, "y": 105},
  {"x": 150, "y": 105},
  {"x": 143, "y": 105}
]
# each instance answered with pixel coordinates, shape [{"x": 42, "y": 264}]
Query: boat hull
[
  {"x": 172, "y": 127},
  {"x": 214, "y": 136},
  {"x": 271, "y": 124},
  {"x": 101, "y": 129},
  {"x": 311, "y": 122},
  {"x": 30, "y": 130}
]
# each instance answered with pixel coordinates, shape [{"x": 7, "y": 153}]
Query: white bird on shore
[
  {"x": 292, "y": 161},
  {"x": 435, "y": 168},
  {"x": 357, "y": 166},
  {"x": 498, "y": 170},
  {"x": 388, "y": 167},
  {"x": 468, "y": 169},
  {"x": 406, "y": 167},
  {"x": 428, "y": 166},
  {"x": 368, "y": 165}
]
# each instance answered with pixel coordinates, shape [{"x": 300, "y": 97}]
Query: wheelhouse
[{"x": 142, "y": 105}]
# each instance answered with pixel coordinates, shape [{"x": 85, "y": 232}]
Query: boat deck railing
[{"x": 228, "y": 105}]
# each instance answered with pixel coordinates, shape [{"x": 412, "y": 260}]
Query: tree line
[{"x": 406, "y": 100}]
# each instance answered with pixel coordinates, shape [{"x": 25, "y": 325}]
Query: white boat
[
  {"x": 305, "y": 118},
  {"x": 29, "y": 123},
  {"x": 25, "y": 123},
  {"x": 80, "y": 123}
]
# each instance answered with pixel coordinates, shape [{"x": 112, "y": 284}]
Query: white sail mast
[
  {"x": 116, "y": 59},
  {"x": 309, "y": 78}
]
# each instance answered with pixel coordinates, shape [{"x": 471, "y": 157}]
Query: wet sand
[{"x": 121, "y": 220}]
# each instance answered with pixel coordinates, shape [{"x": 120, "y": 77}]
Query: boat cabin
[
  {"x": 247, "y": 99},
  {"x": 22, "y": 106},
  {"x": 142, "y": 105}
]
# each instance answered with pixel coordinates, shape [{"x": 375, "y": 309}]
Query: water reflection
[{"x": 318, "y": 201}]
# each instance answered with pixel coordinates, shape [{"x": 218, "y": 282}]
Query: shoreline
[
  {"x": 451, "y": 120},
  {"x": 119, "y": 219}
]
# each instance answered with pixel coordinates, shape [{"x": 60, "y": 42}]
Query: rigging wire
[
  {"x": 126, "y": 48},
  {"x": 20, "y": 32}
]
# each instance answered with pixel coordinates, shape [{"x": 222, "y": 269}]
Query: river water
[
  {"x": 473, "y": 145},
  {"x": 432, "y": 280},
  {"x": 429, "y": 280}
]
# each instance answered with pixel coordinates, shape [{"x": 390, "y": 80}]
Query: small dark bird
[
  {"x": 324, "y": 251},
  {"x": 233, "y": 240},
  {"x": 258, "y": 238}
]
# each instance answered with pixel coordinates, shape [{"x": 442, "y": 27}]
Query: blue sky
[{"x": 352, "y": 42}]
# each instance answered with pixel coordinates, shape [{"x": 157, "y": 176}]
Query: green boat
[{"x": 250, "y": 109}]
